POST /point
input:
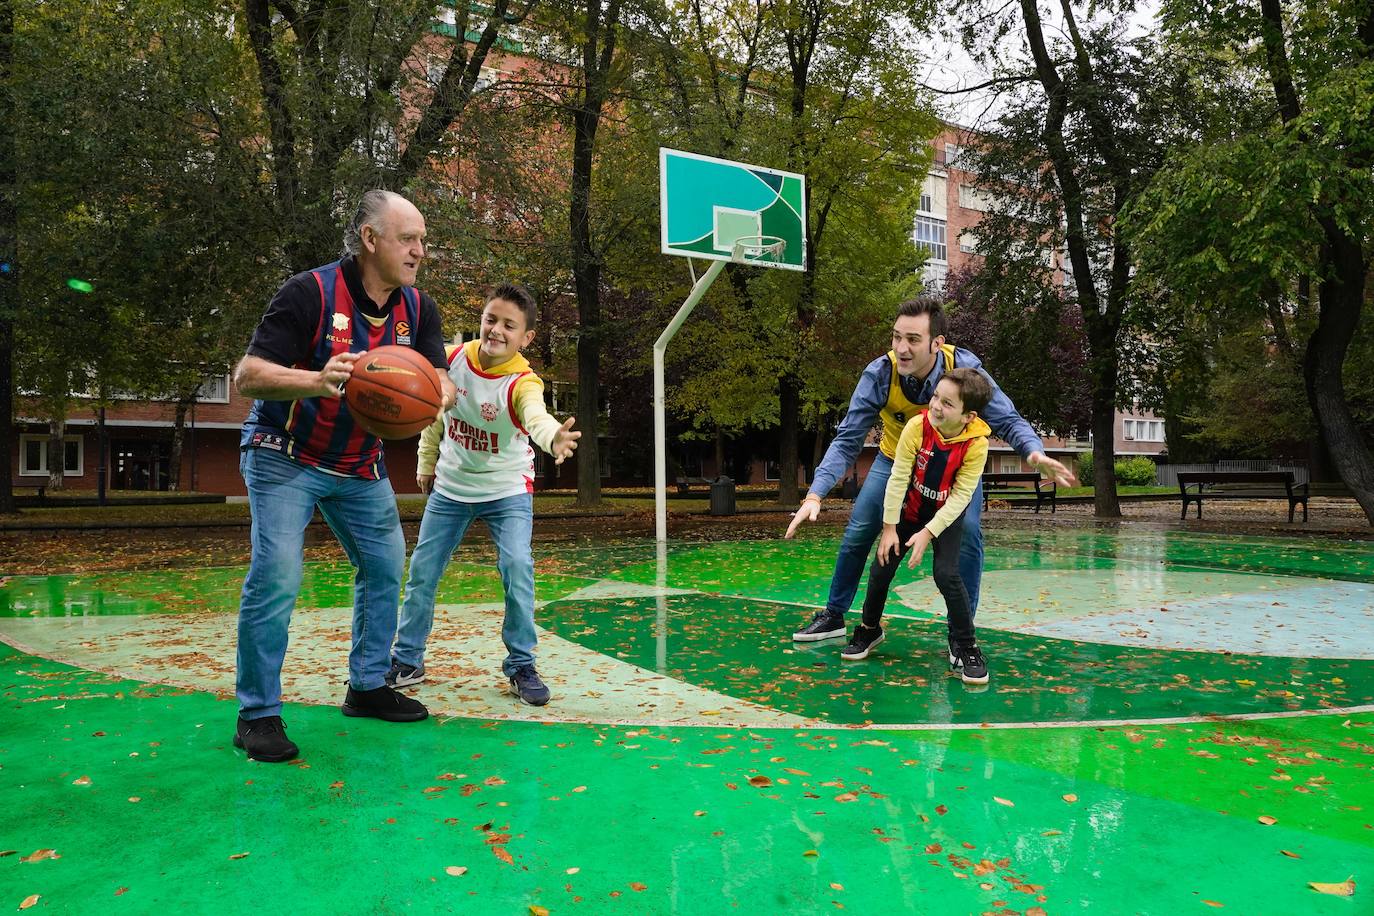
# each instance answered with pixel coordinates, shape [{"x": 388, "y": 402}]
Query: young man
[
  {"x": 894, "y": 388},
  {"x": 485, "y": 470},
  {"x": 301, "y": 450},
  {"x": 939, "y": 463}
]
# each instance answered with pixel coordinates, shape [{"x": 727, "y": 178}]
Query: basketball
[{"x": 393, "y": 392}]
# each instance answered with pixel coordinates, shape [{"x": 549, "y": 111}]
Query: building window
[
  {"x": 968, "y": 242},
  {"x": 930, "y": 235},
  {"x": 953, "y": 156},
  {"x": 1129, "y": 429},
  {"x": 214, "y": 391},
  {"x": 934, "y": 274},
  {"x": 1009, "y": 464},
  {"x": 972, "y": 198},
  {"x": 33, "y": 456}
]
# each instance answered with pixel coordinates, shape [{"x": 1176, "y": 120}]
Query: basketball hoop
[{"x": 753, "y": 249}]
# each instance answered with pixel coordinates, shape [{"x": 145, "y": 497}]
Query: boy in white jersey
[{"x": 485, "y": 469}]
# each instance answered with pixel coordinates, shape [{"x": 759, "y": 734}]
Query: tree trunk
[
  {"x": 9, "y": 257},
  {"x": 178, "y": 442},
  {"x": 57, "y": 457},
  {"x": 789, "y": 406},
  {"x": 1341, "y": 295},
  {"x": 720, "y": 453},
  {"x": 598, "y": 50}
]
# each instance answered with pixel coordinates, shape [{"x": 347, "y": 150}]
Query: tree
[
  {"x": 9, "y": 261},
  {"x": 1078, "y": 143},
  {"x": 358, "y": 95},
  {"x": 1262, "y": 210}
]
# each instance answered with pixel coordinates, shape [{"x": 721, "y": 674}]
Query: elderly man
[
  {"x": 894, "y": 388},
  {"x": 301, "y": 449}
]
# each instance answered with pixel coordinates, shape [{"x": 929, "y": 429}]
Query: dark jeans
[{"x": 946, "y": 574}]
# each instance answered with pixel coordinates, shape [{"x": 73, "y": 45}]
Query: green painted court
[{"x": 1175, "y": 723}]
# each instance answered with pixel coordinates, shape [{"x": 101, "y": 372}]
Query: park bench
[
  {"x": 1027, "y": 481},
  {"x": 1195, "y": 486},
  {"x": 39, "y": 486},
  {"x": 685, "y": 484}
]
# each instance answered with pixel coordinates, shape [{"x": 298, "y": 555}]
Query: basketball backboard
[{"x": 730, "y": 211}]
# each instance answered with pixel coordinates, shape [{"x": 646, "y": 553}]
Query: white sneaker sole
[
  {"x": 871, "y": 646},
  {"x": 972, "y": 680}
]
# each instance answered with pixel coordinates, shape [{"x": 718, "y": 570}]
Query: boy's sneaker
[
  {"x": 265, "y": 739},
  {"x": 404, "y": 675},
  {"x": 973, "y": 669},
  {"x": 383, "y": 703},
  {"x": 525, "y": 683},
  {"x": 824, "y": 625},
  {"x": 863, "y": 641}
]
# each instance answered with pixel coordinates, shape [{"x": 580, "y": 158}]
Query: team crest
[
  {"x": 340, "y": 321},
  {"x": 490, "y": 411},
  {"x": 403, "y": 333}
]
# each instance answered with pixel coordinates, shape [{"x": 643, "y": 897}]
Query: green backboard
[{"x": 707, "y": 205}]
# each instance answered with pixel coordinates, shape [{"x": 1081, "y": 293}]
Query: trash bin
[
  {"x": 722, "y": 496},
  {"x": 849, "y": 489}
]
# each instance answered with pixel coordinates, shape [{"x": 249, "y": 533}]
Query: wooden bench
[
  {"x": 40, "y": 485},
  {"x": 1026, "y": 481},
  {"x": 1195, "y": 486},
  {"x": 685, "y": 484}
]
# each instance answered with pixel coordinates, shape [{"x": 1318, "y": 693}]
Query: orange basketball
[{"x": 393, "y": 392}]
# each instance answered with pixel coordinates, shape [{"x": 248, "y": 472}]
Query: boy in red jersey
[{"x": 939, "y": 462}]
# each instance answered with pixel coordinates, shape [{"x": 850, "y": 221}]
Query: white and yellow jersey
[{"x": 484, "y": 439}]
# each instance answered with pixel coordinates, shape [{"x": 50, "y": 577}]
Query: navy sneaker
[
  {"x": 969, "y": 662},
  {"x": 404, "y": 675},
  {"x": 265, "y": 739},
  {"x": 863, "y": 641},
  {"x": 525, "y": 683},
  {"x": 824, "y": 625}
]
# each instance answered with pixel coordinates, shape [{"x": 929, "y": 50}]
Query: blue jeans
[
  {"x": 283, "y": 495},
  {"x": 511, "y": 522},
  {"x": 866, "y": 523}
]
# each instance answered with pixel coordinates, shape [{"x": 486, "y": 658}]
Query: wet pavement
[{"x": 1176, "y": 722}]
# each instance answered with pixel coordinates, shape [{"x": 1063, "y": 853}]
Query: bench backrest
[
  {"x": 1018, "y": 477},
  {"x": 1237, "y": 483}
]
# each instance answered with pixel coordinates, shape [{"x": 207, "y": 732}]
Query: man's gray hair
[{"x": 371, "y": 212}]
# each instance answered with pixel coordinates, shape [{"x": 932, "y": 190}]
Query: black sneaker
[
  {"x": 973, "y": 669},
  {"x": 863, "y": 641},
  {"x": 383, "y": 703},
  {"x": 525, "y": 683},
  {"x": 265, "y": 739},
  {"x": 824, "y": 625},
  {"x": 404, "y": 675}
]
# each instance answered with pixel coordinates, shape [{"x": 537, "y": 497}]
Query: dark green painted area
[
  {"x": 742, "y": 648},
  {"x": 372, "y": 815}
]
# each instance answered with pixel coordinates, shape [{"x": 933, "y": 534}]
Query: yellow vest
[{"x": 899, "y": 408}]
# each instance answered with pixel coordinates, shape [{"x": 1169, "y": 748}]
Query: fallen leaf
[
  {"x": 760, "y": 782},
  {"x": 698, "y": 814},
  {"x": 1291, "y": 855},
  {"x": 940, "y": 809},
  {"x": 135, "y": 799},
  {"x": 121, "y": 892},
  {"x": 811, "y": 852},
  {"x": 40, "y": 854},
  {"x": 636, "y": 886},
  {"x": 30, "y": 900},
  {"x": 456, "y": 870},
  {"x": 239, "y": 855},
  {"x": 1070, "y": 798},
  {"x": 81, "y": 781},
  {"x": 8, "y": 852},
  {"x": 847, "y": 797},
  {"x": 579, "y": 788},
  {"x": 503, "y": 855},
  {"x": 494, "y": 781},
  {"x": 574, "y": 870},
  {"x": 1268, "y": 821},
  {"x": 1003, "y": 801},
  {"x": 1214, "y": 903},
  {"x": 1345, "y": 889},
  {"x": 538, "y": 910},
  {"x": 1036, "y": 911},
  {"x": 934, "y": 848},
  {"x": 836, "y": 887}
]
